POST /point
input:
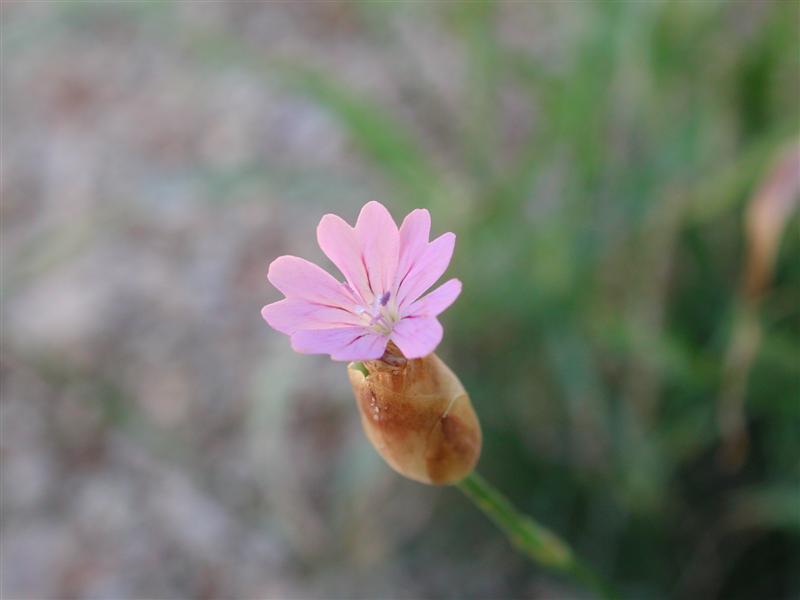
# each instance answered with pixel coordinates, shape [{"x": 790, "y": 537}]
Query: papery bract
[
  {"x": 418, "y": 417},
  {"x": 387, "y": 270}
]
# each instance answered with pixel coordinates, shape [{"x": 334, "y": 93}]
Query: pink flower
[{"x": 386, "y": 270}]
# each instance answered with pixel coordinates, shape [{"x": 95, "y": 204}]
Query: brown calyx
[{"x": 419, "y": 418}]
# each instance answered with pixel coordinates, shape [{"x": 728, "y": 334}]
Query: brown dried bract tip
[{"x": 419, "y": 418}]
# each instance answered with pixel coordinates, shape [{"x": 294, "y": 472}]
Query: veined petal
[
  {"x": 417, "y": 336},
  {"x": 294, "y": 314},
  {"x": 436, "y": 302},
  {"x": 299, "y": 278},
  {"x": 380, "y": 246},
  {"x": 344, "y": 343},
  {"x": 371, "y": 346},
  {"x": 414, "y": 234},
  {"x": 340, "y": 243},
  {"x": 427, "y": 269}
]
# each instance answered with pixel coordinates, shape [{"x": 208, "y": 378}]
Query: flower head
[{"x": 386, "y": 270}]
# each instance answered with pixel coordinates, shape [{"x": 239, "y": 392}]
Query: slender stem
[{"x": 539, "y": 544}]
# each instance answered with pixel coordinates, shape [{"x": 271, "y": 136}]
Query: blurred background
[{"x": 623, "y": 178}]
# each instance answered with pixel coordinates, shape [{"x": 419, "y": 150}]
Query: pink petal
[
  {"x": 298, "y": 278},
  {"x": 414, "y": 234},
  {"x": 436, "y": 302},
  {"x": 430, "y": 265},
  {"x": 344, "y": 343},
  {"x": 293, "y": 314},
  {"x": 369, "y": 347},
  {"x": 380, "y": 246},
  {"x": 339, "y": 243},
  {"x": 417, "y": 336}
]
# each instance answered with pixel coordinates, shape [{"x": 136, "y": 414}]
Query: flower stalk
[{"x": 538, "y": 543}]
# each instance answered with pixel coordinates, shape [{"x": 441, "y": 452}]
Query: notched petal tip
[
  {"x": 275, "y": 316},
  {"x": 331, "y": 220},
  {"x": 447, "y": 239},
  {"x": 375, "y": 215},
  {"x": 419, "y": 217},
  {"x": 265, "y": 314},
  {"x": 374, "y": 204},
  {"x": 276, "y": 264}
]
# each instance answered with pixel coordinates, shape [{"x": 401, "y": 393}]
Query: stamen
[{"x": 379, "y": 317}]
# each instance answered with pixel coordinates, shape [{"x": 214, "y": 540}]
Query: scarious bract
[{"x": 418, "y": 417}]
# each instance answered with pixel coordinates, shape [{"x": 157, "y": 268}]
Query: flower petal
[
  {"x": 436, "y": 302},
  {"x": 294, "y": 314},
  {"x": 430, "y": 265},
  {"x": 344, "y": 343},
  {"x": 340, "y": 243},
  {"x": 417, "y": 336},
  {"x": 298, "y": 278},
  {"x": 414, "y": 234},
  {"x": 380, "y": 246},
  {"x": 371, "y": 346}
]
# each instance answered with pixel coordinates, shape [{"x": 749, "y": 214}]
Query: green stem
[{"x": 535, "y": 541}]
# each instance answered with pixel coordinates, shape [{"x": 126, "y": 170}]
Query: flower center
[{"x": 382, "y": 315}]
